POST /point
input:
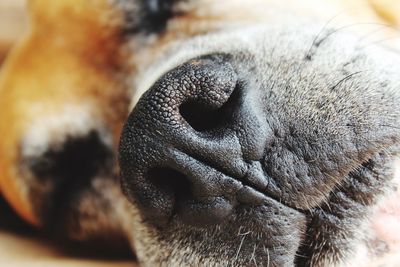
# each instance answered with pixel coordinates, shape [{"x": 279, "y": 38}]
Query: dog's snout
[{"x": 180, "y": 146}]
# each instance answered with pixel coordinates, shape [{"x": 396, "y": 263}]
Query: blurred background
[
  {"x": 13, "y": 22},
  {"x": 20, "y": 245}
]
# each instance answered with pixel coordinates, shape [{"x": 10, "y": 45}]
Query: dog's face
[
  {"x": 257, "y": 145},
  {"x": 255, "y": 138}
]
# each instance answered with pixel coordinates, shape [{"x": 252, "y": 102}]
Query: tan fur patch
[{"x": 71, "y": 56}]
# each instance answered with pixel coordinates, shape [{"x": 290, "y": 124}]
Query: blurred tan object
[
  {"x": 28, "y": 251},
  {"x": 80, "y": 41},
  {"x": 13, "y": 22},
  {"x": 77, "y": 77},
  {"x": 22, "y": 246},
  {"x": 388, "y": 10}
]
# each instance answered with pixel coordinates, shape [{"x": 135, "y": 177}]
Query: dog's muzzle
[{"x": 186, "y": 147}]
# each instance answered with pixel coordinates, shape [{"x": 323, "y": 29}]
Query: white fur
[{"x": 52, "y": 129}]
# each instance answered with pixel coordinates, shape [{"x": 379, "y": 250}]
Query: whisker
[
  {"x": 379, "y": 42},
  {"x": 324, "y": 27},
  {"x": 244, "y": 234},
  {"x": 317, "y": 43},
  {"x": 253, "y": 255},
  {"x": 240, "y": 247},
  {"x": 348, "y": 77},
  {"x": 380, "y": 28},
  {"x": 379, "y": 125},
  {"x": 268, "y": 257},
  {"x": 389, "y": 126}
]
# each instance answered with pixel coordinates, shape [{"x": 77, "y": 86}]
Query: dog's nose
[{"x": 186, "y": 139}]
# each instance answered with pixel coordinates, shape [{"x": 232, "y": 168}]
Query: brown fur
[
  {"x": 75, "y": 53},
  {"x": 52, "y": 66}
]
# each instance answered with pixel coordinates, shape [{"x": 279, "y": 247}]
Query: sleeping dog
[{"x": 243, "y": 133}]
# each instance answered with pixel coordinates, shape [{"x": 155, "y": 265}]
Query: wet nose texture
[{"x": 184, "y": 146}]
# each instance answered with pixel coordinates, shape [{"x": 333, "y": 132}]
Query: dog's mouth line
[
  {"x": 249, "y": 193},
  {"x": 260, "y": 193}
]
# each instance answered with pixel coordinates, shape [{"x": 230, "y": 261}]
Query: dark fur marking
[
  {"x": 79, "y": 158},
  {"x": 67, "y": 170},
  {"x": 148, "y": 16}
]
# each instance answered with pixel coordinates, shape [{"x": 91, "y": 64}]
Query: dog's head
[
  {"x": 257, "y": 136},
  {"x": 63, "y": 105},
  {"x": 261, "y": 142}
]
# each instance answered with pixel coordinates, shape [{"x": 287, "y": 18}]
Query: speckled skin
[
  {"x": 313, "y": 101},
  {"x": 322, "y": 140}
]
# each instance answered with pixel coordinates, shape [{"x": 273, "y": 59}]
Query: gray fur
[{"x": 325, "y": 98}]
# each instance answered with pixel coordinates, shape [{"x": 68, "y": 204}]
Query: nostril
[
  {"x": 197, "y": 88},
  {"x": 171, "y": 182},
  {"x": 202, "y": 118},
  {"x": 184, "y": 200}
]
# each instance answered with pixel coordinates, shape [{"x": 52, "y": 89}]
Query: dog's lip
[
  {"x": 250, "y": 190},
  {"x": 244, "y": 191}
]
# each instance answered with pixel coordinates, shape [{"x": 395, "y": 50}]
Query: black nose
[{"x": 185, "y": 146}]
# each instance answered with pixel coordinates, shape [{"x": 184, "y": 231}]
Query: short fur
[{"x": 326, "y": 99}]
